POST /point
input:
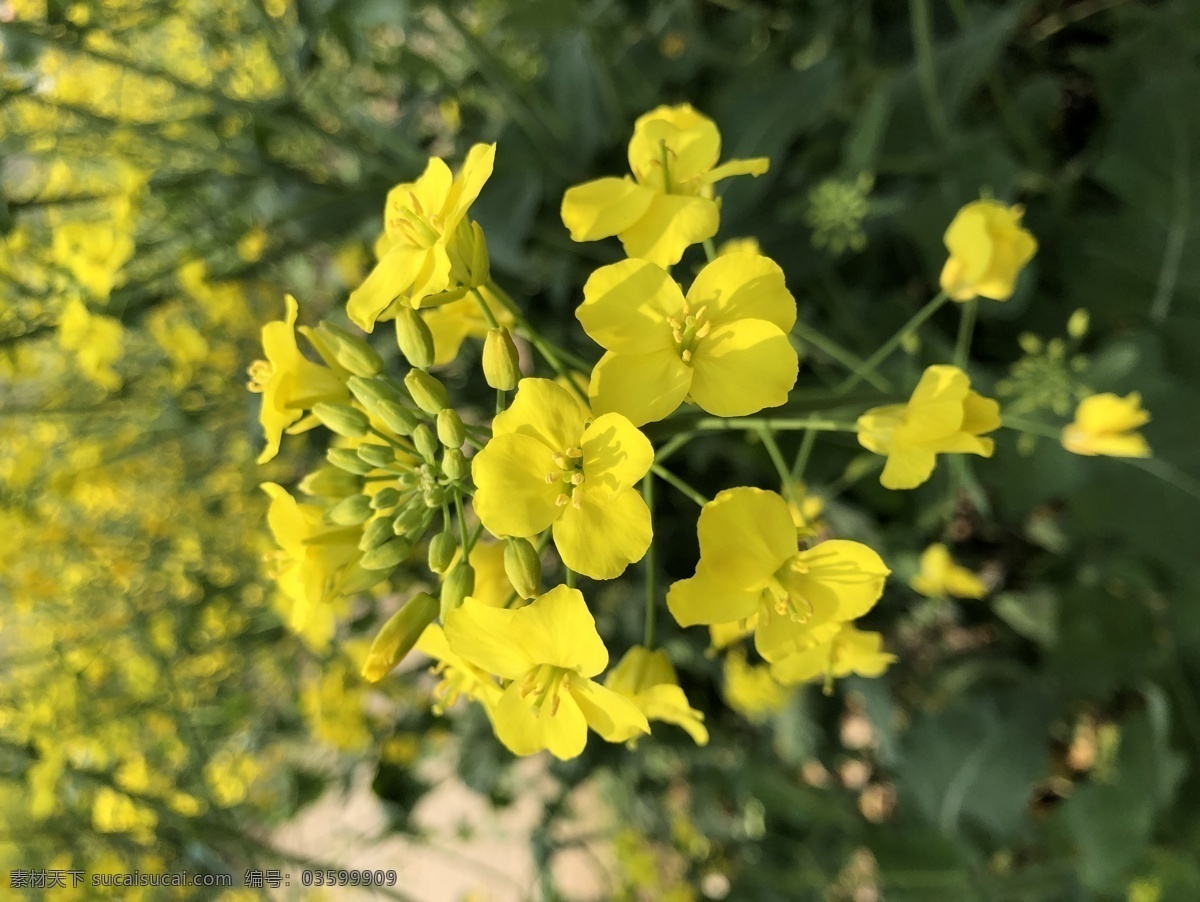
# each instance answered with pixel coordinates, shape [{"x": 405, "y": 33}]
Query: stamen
[{"x": 562, "y": 501}]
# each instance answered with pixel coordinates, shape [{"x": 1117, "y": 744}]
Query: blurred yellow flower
[
  {"x": 841, "y": 651},
  {"x": 547, "y": 465},
  {"x": 988, "y": 248},
  {"x": 94, "y": 253},
  {"x": 649, "y": 680},
  {"x": 750, "y": 564},
  {"x": 940, "y": 576},
  {"x": 97, "y": 340},
  {"x": 550, "y": 651},
  {"x": 1104, "y": 425},
  {"x": 667, "y": 206},
  {"x": 943, "y": 416},
  {"x": 724, "y": 345},
  {"x": 458, "y": 677},
  {"x": 751, "y": 690}
]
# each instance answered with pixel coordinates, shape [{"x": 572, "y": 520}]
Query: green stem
[
  {"x": 463, "y": 536},
  {"x": 487, "y": 310},
  {"x": 1166, "y": 473},
  {"x": 894, "y": 342},
  {"x": 662, "y": 153},
  {"x": 832, "y": 349},
  {"x": 802, "y": 456},
  {"x": 570, "y": 576},
  {"x": 675, "y": 482},
  {"x": 922, "y": 35},
  {"x": 1030, "y": 427},
  {"x": 543, "y": 347},
  {"x": 781, "y": 467},
  {"x": 648, "y": 635},
  {"x": 710, "y": 250},
  {"x": 966, "y": 329},
  {"x": 672, "y": 446},
  {"x": 717, "y": 424}
]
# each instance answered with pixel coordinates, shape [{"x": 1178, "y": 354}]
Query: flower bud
[
  {"x": 450, "y": 429},
  {"x": 350, "y": 511},
  {"x": 523, "y": 567},
  {"x": 1077, "y": 325},
  {"x": 386, "y": 556},
  {"x": 376, "y": 455},
  {"x": 441, "y": 551},
  {"x": 413, "y": 337},
  {"x": 457, "y": 586},
  {"x": 398, "y": 636},
  {"x": 397, "y": 418},
  {"x": 481, "y": 264},
  {"x": 329, "y": 482},
  {"x": 376, "y": 533},
  {"x": 352, "y": 352},
  {"x": 433, "y": 496},
  {"x": 413, "y": 520},
  {"x": 454, "y": 465},
  {"x": 387, "y": 497},
  {"x": 501, "y": 363},
  {"x": 346, "y": 459},
  {"x": 428, "y": 393},
  {"x": 427, "y": 446},
  {"x": 370, "y": 393},
  {"x": 342, "y": 419}
]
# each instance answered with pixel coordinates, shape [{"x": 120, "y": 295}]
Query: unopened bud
[
  {"x": 342, "y": 419},
  {"x": 398, "y": 636},
  {"x": 350, "y": 511},
  {"x": 350, "y": 351},
  {"x": 413, "y": 337},
  {"x": 481, "y": 264},
  {"x": 376, "y": 533},
  {"x": 501, "y": 362},
  {"x": 370, "y": 393},
  {"x": 427, "y": 392},
  {"x": 441, "y": 551},
  {"x": 1077, "y": 325},
  {"x": 346, "y": 459},
  {"x": 413, "y": 520},
  {"x": 398, "y": 418},
  {"x": 387, "y": 497},
  {"x": 386, "y": 556},
  {"x": 433, "y": 496},
  {"x": 329, "y": 482},
  {"x": 523, "y": 567},
  {"x": 457, "y": 586},
  {"x": 450, "y": 429},
  {"x": 376, "y": 455},
  {"x": 454, "y": 465},
  {"x": 426, "y": 444}
]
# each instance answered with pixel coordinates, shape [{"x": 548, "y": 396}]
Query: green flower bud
[
  {"x": 454, "y": 465},
  {"x": 433, "y": 495},
  {"x": 350, "y": 351},
  {"x": 481, "y": 264},
  {"x": 346, "y": 459},
  {"x": 370, "y": 393},
  {"x": 457, "y": 586},
  {"x": 376, "y": 455},
  {"x": 523, "y": 567},
  {"x": 427, "y": 446},
  {"x": 501, "y": 362},
  {"x": 397, "y": 418},
  {"x": 450, "y": 429},
  {"x": 376, "y": 533},
  {"x": 398, "y": 636},
  {"x": 342, "y": 419},
  {"x": 413, "y": 337},
  {"x": 386, "y": 556},
  {"x": 428, "y": 393},
  {"x": 387, "y": 497},
  {"x": 350, "y": 511},
  {"x": 413, "y": 520},
  {"x": 441, "y": 551},
  {"x": 1077, "y": 325},
  {"x": 329, "y": 482}
]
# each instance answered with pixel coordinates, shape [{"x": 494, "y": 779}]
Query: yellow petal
[
  {"x": 433, "y": 276},
  {"x": 969, "y": 242},
  {"x": 680, "y": 138},
  {"x": 741, "y": 286},
  {"x": 907, "y": 467},
  {"x": 668, "y": 703},
  {"x": 843, "y": 580},
  {"x": 746, "y": 534},
  {"x": 526, "y": 732},
  {"x": 609, "y": 713},
  {"x": 778, "y": 635},
  {"x": 935, "y": 409},
  {"x": 980, "y": 414},
  {"x": 626, "y": 305},
  {"x": 491, "y": 582},
  {"x": 491, "y": 639},
  {"x": 1109, "y": 413},
  {"x": 544, "y": 410},
  {"x": 605, "y": 534},
  {"x": 704, "y": 600},
  {"x": 512, "y": 497},
  {"x": 392, "y": 276},
  {"x": 755, "y": 166},
  {"x": 615, "y": 454},
  {"x": 877, "y": 427},
  {"x": 425, "y": 196},
  {"x": 557, "y": 628},
  {"x": 671, "y": 225},
  {"x": 604, "y": 207},
  {"x": 642, "y": 387},
  {"x": 721, "y": 635},
  {"x": 639, "y": 669},
  {"x": 476, "y": 170},
  {"x": 743, "y": 367}
]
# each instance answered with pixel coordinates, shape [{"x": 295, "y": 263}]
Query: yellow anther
[
  {"x": 576, "y": 479},
  {"x": 686, "y": 356},
  {"x": 562, "y": 501},
  {"x": 575, "y": 452}
]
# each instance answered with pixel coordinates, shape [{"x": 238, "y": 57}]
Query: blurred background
[{"x": 168, "y": 170}]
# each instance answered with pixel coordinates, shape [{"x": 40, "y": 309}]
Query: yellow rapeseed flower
[
  {"x": 724, "y": 345},
  {"x": 649, "y": 680},
  {"x": 548, "y": 464},
  {"x": 549, "y": 650},
  {"x": 943, "y": 416},
  {"x": 750, "y": 564},
  {"x": 988, "y": 248},
  {"x": 667, "y": 206},
  {"x": 839, "y": 652},
  {"x": 457, "y": 678},
  {"x": 421, "y": 222},
  {"x": 751, "y": 690},
  {"x": 941, "y": 576},
  {"x": 1104, "y": 425},
  {"x": 97, "y": 340}
]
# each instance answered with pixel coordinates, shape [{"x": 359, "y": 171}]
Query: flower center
[
  {"x": 455, "y": 682},
  {"x": 783, "y": 595},
  {"x": 418, "y": 228},
  {"x": 260, "y": 373},
  {"x": 569, "y": 472},
  {"x": 545, "y": 683},
  {"x": 688, "y": 329}
]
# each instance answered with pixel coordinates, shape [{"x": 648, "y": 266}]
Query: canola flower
[
  {"x": 939, "y": 576},
  {"x": 1107, "y": 424},
  {"x": 649, "y": 680},
  {"x": 988, "y": 249},
  {"x": 834, "y": 652}
]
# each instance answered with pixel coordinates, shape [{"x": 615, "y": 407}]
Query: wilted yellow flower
[
  {"x": 943, "y": 416},
  {"x": 988, "y": 248},
  {"x": 421, "y": 222},
  {"x": 838, "y": 652},
  {"x": 940, "y": 576},
  {"x": 724, "y": 346},
  {"x": 751, "y": 690},
  {"x": 546, "y": 464},
  {"x": 97, "y": 341},
  {"x": 667, "y": 206},
  {"x": 550, "y": 651},
  {"x": 750, "y": 564},
  {"x": 649, "y": 680},
  {"x": 1104, "y": 424}
]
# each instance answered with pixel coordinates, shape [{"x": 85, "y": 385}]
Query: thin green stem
[
  {"x": 710, "y": 250},
  {"x": 570, "y": 576},
  {"x": 463, "y": 536},
  {"x": 678, "y": 484},
  {"x": 1166, "y": 473},
  {"x": 922, "y": 35},
  {"x": 672, "y": 446},
  {"x": 487, "y": 310},
  {"x": 543, "y": 347},
  {"x": 662, "y": 154},
  {"x": 651, "y": 566},
  {"x": 781, "y": 467},
  {"x": 802, "y": 456},
  {"x": 1030, "y": 427},
  {"x": 894, "y": 342},
  {"x": 500, "y": 399},
  {"x": 832, "y": 349},
  {"x": 779, "y": 424},
  {"x": 966, "y": 329}
]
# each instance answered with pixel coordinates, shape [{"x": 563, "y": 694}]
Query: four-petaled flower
[
  {"x": 988, "y": 248},
  {"x": 667, "y": 206},
  {"x": 724, "y": 345},
  {"x": 548, "y": 464},
  {"x": 835, "y": 652},
  {"x": 1104, "y": 425},
  {"x": 647, "y": 678}
]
